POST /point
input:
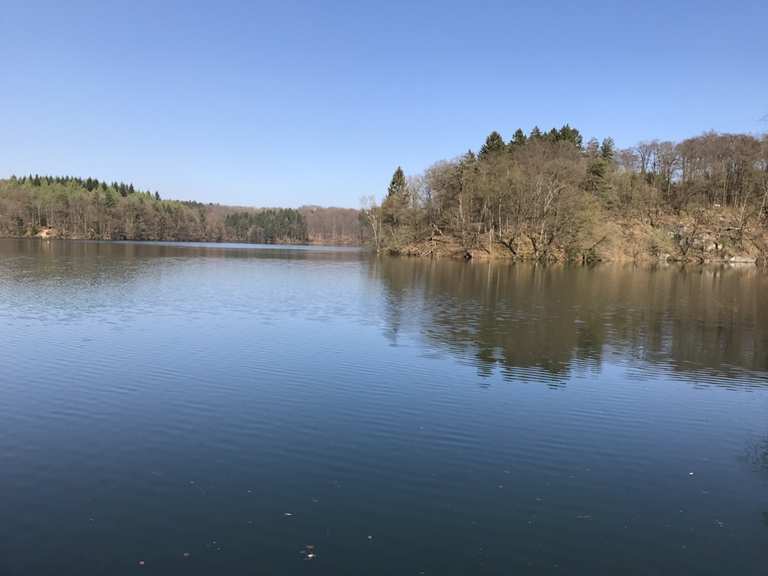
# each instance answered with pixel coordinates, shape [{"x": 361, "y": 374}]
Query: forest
[
  {"x": 550, "y": 196},
  {"x": 542, "y": 196},
  {"x": 77, "y": 208}
]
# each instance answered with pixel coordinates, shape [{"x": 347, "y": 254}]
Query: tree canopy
[
  {"x": 546, "y": 195},
  {"x": 91, "y": 209}
]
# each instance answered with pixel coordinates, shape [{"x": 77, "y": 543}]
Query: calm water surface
[{"x": 208, "y": 409}]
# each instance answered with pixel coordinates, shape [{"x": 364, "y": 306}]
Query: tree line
[
  {"x": 70, "y": 207},
  {"x": 552, "y": 196},
  {"x": 267, "y": 226}
]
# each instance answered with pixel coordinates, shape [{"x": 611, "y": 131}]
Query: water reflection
[
  {"x": 66, "y": 280},
  {"x": 521, "y": 321},
  {"x": 527, "y": 319},
  {"x": 88, "y": 252}
]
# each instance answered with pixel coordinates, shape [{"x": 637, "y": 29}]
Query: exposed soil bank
[{"x": 668, "y": 240}]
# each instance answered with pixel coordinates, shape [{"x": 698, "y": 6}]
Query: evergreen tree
[
  {"x": 568, "y": 134},
  {"x": 519, "y": 138},
  {"x": 535, "y": 134},
  {"x": 397, "y": 202},
  {"x": 607, "y": 149},
  {"x": 397, "y": 184},
  {"x": 494, "y": 143},
  {"x": 553, "y": 135},
  {"x": 109, "y": 198},
  {"x": 596, "y": 169}
]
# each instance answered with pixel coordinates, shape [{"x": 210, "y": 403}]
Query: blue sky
[{"x": 289, "y": 103}]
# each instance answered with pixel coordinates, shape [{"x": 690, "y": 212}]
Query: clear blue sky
[{"x": 287, "y": 103}]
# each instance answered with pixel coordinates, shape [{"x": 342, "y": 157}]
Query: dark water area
[{"x": 211, "y": 409}]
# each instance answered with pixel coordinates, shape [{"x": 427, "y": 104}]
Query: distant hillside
[
  {"x": 76, "y": 208},
  {"x": 333, "y": 225}
]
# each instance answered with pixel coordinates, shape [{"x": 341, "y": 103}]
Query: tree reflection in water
[{"x": 525, "y": 320}]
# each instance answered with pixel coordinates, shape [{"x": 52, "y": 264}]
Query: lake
[{"x": 215, "y": 409}]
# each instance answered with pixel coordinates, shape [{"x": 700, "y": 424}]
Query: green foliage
[
  {"x": 607, "y": 149},
  {"x": 494, "y": 144},
  {"x": 267, "y": 226},
  {"x": 518, "y": 139},
  {"x": 568, "y": 134},
  {"x": 88, "y": 208},
  {"x": 397, "y": 202},
  {"x": 397, "y": 184}
]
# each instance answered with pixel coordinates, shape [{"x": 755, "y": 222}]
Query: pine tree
[
  {"x": 109, "y": 198},
  {"x": 607, "y": 149},
  {"x": 518, "y": 139},
  {"x": 568, "y": 134},
  {"x": 397, "y": 202},
  {"x": 553, "y": 135},
  {"x": 535, "y": 134},
  {"x": 598, "y": 168},
  {"x": 493, "y": 144},
  {"x": 397, "y": 184}
]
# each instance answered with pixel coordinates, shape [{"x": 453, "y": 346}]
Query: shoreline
[
  {"x": 622, "y": 252},
  {"x": 58, "y": 238},
  {"x": 455, "y": 253}
]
